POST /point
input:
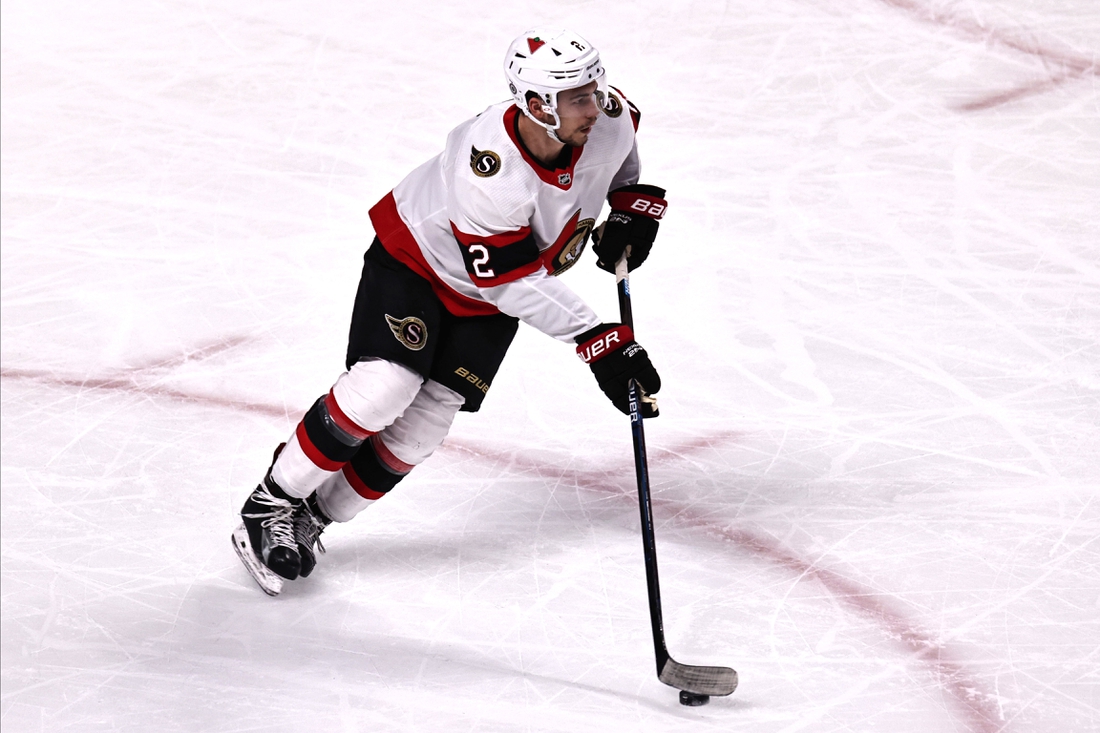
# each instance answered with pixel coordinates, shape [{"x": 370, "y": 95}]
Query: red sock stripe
[
  {"x": 344, "y": 422},
  {"x": 360, "y": 488},
  {"x": 312, "y": 453},
  {"x": 391, "y": 461}
]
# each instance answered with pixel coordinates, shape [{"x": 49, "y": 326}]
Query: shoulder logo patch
[
  {"x": 411, "y": 331},
  {"x": 614, "y": 106},
  {"x": 484, "y": 163}
]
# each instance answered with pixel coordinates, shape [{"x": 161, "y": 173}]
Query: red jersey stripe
[
  {"x": 399, "y": 242},
  {"x": 493, "y": 240},
  {"x": 504, "y": 260}
]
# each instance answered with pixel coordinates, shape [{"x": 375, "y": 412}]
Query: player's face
[{"x": 578, "y": 113}]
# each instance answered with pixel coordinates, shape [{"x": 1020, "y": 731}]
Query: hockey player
[{"x": 468, "y": 245}]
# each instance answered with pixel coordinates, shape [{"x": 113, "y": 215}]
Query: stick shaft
[
  {"x": 641, "y": 469},
  {"x": 687, "y": 677}
]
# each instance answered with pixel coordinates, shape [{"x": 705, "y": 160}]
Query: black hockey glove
[
  {"x": 635, "y": 213},
  {"x": 615, "y": 358}
]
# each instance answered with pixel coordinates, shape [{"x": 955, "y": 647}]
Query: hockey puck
[{"x": 692, "y": 700}]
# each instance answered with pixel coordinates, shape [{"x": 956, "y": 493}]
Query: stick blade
[{"x": 699, "y": 680}]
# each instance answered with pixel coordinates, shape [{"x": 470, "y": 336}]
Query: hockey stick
[{"x": 696, "y": 684}]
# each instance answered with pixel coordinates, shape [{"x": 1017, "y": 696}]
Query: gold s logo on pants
[{"x": 411, "y": 331}]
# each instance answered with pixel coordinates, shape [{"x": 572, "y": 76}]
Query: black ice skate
[
  {"x": 265, "y": 540},
  {"x": 309, "y": 523}
]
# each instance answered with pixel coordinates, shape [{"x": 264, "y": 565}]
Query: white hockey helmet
[{"x": 550, "y": 61}]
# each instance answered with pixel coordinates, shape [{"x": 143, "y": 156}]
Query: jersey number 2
[{"x": 479, "y": 264}]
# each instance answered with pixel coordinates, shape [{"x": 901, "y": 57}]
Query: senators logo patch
[
  {"x": 409, "y": 331},
  {"x": 614, "y": 106},
  {"x": 571, "y": 251},
  {"x": 484, "y": 163}
]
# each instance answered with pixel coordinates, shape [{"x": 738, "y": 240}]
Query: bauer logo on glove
[
  {"x": 633, "y": 222},
  {"x": 616, "y": 358},
  {"x": 589, "y": 351}
]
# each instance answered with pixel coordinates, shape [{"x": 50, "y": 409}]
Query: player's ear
[{"x": 538, "y": 109}]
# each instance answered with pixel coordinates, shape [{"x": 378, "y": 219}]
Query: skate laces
[
  {"x": 308, "y": 528},
  {"x": 279, "y": 522}
]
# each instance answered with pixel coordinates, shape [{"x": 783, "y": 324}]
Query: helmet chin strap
[{"x": 551, "y": 130}]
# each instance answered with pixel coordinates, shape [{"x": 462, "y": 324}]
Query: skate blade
[{"x": 269, "y": 582}]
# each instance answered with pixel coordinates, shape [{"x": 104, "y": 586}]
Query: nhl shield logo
[
  {"x": 411, "y": 331},
  {"x": 564, "y": 179}
]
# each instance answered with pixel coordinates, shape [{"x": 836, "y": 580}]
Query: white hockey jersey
[{"x": 490, "y": 227}]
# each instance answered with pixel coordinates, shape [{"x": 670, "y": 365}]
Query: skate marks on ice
[
  {"x": 971, "y": 703},
  {"x": 1059, "y": 66},
  {"x": 975, "y": 706}
]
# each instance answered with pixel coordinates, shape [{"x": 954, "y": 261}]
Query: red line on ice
[
  {"x": 127, "y": 383},
  {"x": 205, "y": 351},
  {"x": 136, "y": 379},
  {"x": 1011, "y": 95},
  {"x": 976, "y": 706},
  {"x": 1071, "y": 65}
]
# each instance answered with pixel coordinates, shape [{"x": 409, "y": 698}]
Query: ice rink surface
[{"x": 875, "y": 304}]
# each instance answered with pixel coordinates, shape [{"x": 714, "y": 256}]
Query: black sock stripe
[
  {"x": 372, "y": 471},
  {"x": 334, "y": 443}
]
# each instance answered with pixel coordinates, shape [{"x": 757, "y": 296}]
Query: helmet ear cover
[{"x": 544, "y": 63}]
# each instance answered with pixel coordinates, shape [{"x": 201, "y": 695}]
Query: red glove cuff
[
  {"x": 638, "y": 203},
  {"x": 610, "y": 340}
]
